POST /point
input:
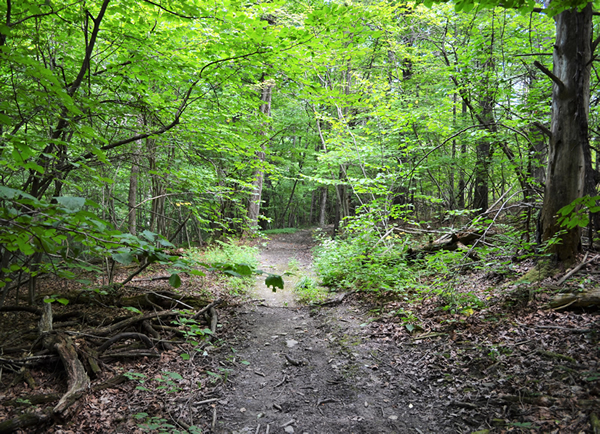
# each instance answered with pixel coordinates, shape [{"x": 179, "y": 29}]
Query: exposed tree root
[{"x": 93, "y": 346}]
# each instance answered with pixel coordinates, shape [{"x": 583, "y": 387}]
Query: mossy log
[{"x": 587, "y": 298}]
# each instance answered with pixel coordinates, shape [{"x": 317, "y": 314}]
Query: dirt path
[{"x": 315, "y": 370}]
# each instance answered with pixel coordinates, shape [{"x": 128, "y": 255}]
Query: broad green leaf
[
  {"x": 124, "y": 258},
  {"x": 72, "y": 204},
  {"x": 175, "y": 280},
  {"x": 274, "y": 281}
]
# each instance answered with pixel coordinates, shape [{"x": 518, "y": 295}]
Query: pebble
[
  {"x": 291, "y": 343},
  {"x": 289, "y": 429}
]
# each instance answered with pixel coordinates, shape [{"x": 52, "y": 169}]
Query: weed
[
  {"x": 238, "y": 278},
  {"x": 307, "y": 291},
  {"x": 160, "y": 425}
]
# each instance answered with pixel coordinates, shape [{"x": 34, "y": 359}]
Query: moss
[{"x": 542, "y": 270}]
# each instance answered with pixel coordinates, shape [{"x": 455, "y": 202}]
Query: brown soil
[{"x": 316, "y": 370}]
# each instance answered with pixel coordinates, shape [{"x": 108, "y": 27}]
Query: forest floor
[{"x": 352, "y": 366}]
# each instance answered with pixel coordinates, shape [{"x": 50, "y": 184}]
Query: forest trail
[{"x": 314, "y": 370}]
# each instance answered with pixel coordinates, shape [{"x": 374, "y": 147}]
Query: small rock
[
  {"x": 393, "y": 418},
  {"x": 366, "y": 404},
  {"x": 291, "y": 343},
  {"x": 242, "y": 410},
  {"x": 289, "y": 429}
]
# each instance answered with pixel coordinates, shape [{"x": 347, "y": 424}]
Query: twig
[
  {"x": 142, "y": 337},
  {"x": 278, "y": 384},
  {"x": 576, "y": 269},
  {"x": 207, "y": 401},
  {"x": 172, "y": 299},
  {"x": 207, "y": 307},
  {"x": 292, "y": 361}
]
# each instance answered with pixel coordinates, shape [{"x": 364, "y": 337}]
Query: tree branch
[{"x": 550, "y": 74}]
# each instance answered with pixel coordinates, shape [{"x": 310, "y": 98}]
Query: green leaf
[
  {"x": 72, "y": 204},
  {"x": 6, "y": 120},
  {"x": 124, "y": 258},
  {"x": 175, "y": 280},
  {"x": 243, "y": 269},
  {"x": 274, "y": 281},
  {"x": 132, "y": 309},
  {"x": 185, "y": 356}
]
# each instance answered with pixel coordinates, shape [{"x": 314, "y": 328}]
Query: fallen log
[
  {"x": 587, "y": 298},
  {"x": 452, "y": 242}
]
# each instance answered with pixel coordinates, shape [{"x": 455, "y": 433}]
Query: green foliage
[
  {"x": 365, "y": 262},
  {"x": 308, "y": 291},
  {"x": 577, "y": 213},
  {"x": 230, "y": 252},
  {"x": 156, "y": 424}
]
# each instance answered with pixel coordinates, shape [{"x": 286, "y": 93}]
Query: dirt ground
[
  {"x": 277, "y": 366},
  {"x": 316, "y": 370}
]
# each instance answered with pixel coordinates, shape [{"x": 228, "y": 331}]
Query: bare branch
[{"x": 550, "y": 74}]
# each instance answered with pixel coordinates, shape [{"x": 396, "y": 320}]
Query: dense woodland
[
  {"x": 446, "y": 135},
  {"x": 188, "y": 121}
]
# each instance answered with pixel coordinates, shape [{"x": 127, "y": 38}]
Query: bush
[{"x": 364, "y": 262}]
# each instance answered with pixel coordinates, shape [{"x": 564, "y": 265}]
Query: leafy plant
[{"x": 308, "y": 291}]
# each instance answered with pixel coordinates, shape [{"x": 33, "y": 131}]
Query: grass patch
[
  {"x": 307, "y": 291},
  {"x": 280, "y": 231}
]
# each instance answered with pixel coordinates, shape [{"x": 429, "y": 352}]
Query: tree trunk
[
  {"x": 570, "y": 109},
  {"x": 133, "y": 189},
  {"x": 257, "y": 183},
  {"x": 323, "y": 207}
]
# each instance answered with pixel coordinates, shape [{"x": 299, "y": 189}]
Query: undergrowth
[
  {"x": 222, "y": 253},
  {"x": 382, "y": 262}
]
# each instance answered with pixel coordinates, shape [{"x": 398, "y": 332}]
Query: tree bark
[
  {"x": 133, "y": 189},
  {"x": 570, "y": 110},
  {"x": 257, "y": 183},
  {"x": 323, "y": 207}
]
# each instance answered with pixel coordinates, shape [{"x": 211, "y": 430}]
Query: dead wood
[
  {"x": 30, "y": 309},
  {"x": 206, "y": 308},
  {"x": 45, "y": 323},
  {"x": 23, "y": 421},
  {"x": 587, "y": 298},
  {"x": 582, "y": 264},
  {"x": 105, "y": 331},
  {"x": 135, "y": 353},
  {"x": 122, "y": 336},
  {"x": 453, "y": 242},
  {"x": 78, "y": 379},
  {"x": 336, "y": 300},
  {"x": 213, "y": 320},
  {"x": 156, "y": 335},
  {"x": 167, "y": 300}
]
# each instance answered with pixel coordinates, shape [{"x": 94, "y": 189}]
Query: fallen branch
[
  {"x": 121, "y": 336},
  {"x": 576, "y": 269}
]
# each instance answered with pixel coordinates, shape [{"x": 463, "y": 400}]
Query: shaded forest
[{"x": 429, "y": 141}]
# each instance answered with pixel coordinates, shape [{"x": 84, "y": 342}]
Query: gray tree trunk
[
  {"x": 565, "y": 179},
  {"x": 257, "y": 183}
]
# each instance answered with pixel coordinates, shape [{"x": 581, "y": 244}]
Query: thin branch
[
  {"x": 550, "y": 74},
  {"x": 177, "y": 14},
  {"x": 543, "y": 129}
]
